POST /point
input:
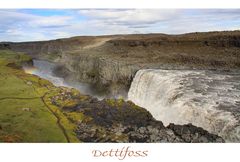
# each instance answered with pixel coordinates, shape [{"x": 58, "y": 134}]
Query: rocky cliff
[
  {"x": 32, "y": 109},
  {"x": 114, "y": 120},
  {"x": 110, "y": 62}
]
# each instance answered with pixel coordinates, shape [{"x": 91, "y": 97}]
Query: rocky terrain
[
  {"x": 110, "y": 62},
  {"x": 115, "y": 120},
  {"x": 34, "y": 110}
]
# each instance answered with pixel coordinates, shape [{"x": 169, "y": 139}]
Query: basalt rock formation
[
  {"x": 110, "y": 62},
  {"x": 114, "y": 120},
  {"x": 34, "y": 110}
]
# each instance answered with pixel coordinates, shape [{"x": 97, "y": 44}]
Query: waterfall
[{"x": 207, "y": 99}]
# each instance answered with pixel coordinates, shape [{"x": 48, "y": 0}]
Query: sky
[{"x": 45, "y": 24}]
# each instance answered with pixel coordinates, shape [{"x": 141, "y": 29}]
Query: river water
[
  {"x": 207, "y": 99},
  {"x": 44, "y": 69}
]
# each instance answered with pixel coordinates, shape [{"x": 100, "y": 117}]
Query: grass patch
[
  {"x": 29, "y": 120},
  {"x": 26, "y": 111}
]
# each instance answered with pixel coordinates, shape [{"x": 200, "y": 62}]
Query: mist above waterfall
[
  {"x": 45, "y": 70},
  {"x": 208, "y": 99}
]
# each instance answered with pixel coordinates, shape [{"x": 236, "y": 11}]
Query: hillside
[
  {"x": 112, "y": 61},
  {"x": 34, "y": 110}
]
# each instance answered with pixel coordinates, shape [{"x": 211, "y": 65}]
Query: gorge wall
[{"x": 110, "y": 62}]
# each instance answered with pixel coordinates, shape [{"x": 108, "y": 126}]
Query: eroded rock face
[
  {"x": 155, "y": 133},
  {"x": 92, "y": 120},
  {"x": 152, "y": 133},
  {"x": 112, "y": 61},
  {"x": 114, "y": 120},
  {"x": 108, "y": 76},
  {"x": 190, "y": 133}
]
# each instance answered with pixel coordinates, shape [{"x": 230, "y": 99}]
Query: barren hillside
[{"x": 113, "y": 60}]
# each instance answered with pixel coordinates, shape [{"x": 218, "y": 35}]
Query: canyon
[
  {"x": 110, "y": 62},
  {"x": 149, "y": 70}
]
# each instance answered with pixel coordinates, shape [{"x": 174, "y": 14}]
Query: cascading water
[{"x": 207, "y": 99}]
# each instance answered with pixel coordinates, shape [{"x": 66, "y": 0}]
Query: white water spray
[
  {"x": 44, "y": 69},
  {"x": 207, "y": 99}
]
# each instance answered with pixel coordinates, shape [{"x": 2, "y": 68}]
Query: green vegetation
[
  {"x": 7, "y": 57},
  {"x": 32, "y": 109},
  {"x": 115, "y": 102},
  {"x": 77, "y": 117},
  {"x": 26, "y": 111}
]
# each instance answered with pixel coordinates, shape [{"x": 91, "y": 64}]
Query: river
[
  {"x": 208, "y": 99},
  {"x": 44, "y": 69}
]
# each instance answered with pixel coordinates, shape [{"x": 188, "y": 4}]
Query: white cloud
[
  {"x": 17, "y": 25},
  {"x": 51, "y": 21},
  {"x": 131, "y": 16},
  {"x": 17, "y": 18}
]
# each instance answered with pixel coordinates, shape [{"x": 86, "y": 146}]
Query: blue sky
[{"x": 45, "y": 24}]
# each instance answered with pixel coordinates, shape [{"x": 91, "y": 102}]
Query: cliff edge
[{"x": 110, "y": 62}]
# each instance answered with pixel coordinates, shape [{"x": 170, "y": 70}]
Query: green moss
[
  {"x": 26, "y": 111},
  {"x": 110, "y": 102},
  {"x": 69, "y": 126},
  {"x": 23, "y": 58},
  {"x": 77, "y": 117},
  {"x": 115, "y": 102},
  {"x": 29, "y": 120},
  {"x": 7, "y": 57},
  {"x": 31, "y": 108},
  {"x": 83, "y": 98},
  {"x": 120, "y": 102}
]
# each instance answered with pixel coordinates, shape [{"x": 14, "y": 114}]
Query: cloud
[
  {"x": 130, "y": 17},
  {"x": 28, "y": 25},
  {"x": 51, "y": 21},
  {"x": 171, "y": 21},
  {"x": 18, "y": 26}
]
